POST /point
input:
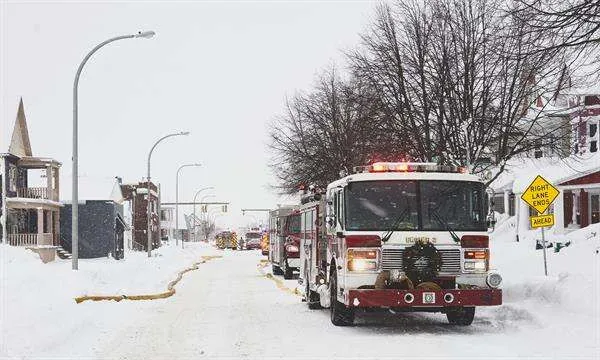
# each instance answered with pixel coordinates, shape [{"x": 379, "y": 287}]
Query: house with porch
[{"x": 30, "y": 206}]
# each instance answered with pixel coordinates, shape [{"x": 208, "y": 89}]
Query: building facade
[
  {"x": 137, "y": 196},
  {"x": 30, "y": 206}
]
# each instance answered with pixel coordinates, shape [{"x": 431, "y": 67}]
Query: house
[
  {"x": 574, "y": 170},
  {"x": 30, "y": 206},
  {"x": 101, "y": 222},
  {"x": 136, "y": 195},
  {"x": 101, "y": 229},
  {"x": 577, "y": 178}
]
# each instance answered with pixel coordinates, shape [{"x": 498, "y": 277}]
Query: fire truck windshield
[{"x": 426, "y": 205}]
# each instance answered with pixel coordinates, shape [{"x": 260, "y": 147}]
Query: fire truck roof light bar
[{"x": 409, "y": 167}]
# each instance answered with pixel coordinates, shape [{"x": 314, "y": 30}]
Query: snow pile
[{"x": 572, "y": 284}]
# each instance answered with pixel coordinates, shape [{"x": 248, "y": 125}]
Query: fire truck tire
[
  {"x": 276, "y": 270},
  {"x": 461, "y": 316},
  {"x": 340, "y": 314},
  {"x": 288, "y": 273},
  {"x": 312, "y": 298}
]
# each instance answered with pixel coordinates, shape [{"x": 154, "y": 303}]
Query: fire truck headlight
[
  {"x": 494, "y": 280},
  {"x": 363, "y": 259},
  {"x": 291, "y": 249},
  {"x": 476, "y": 265}
]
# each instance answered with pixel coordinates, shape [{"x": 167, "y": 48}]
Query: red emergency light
[{"x": 380, "y": 167}]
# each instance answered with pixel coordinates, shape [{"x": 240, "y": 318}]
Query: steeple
[{"x": 19, "y": 144}]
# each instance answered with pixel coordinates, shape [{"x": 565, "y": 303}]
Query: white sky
[{"x": 219, "y": 70}]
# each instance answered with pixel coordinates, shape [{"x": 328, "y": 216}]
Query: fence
[{"x": 30, "y": 239}]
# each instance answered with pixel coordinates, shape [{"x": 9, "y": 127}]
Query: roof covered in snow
[{"x": 520, "y": 172}]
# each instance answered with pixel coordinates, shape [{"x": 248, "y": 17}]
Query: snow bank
[
  {"x": 38, "y": 309},
  {"x": 572, "y": 273}
]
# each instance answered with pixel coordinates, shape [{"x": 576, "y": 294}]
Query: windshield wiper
[
  {"x": 445, "y": 224},
  {"x": 389, "y": 233}
]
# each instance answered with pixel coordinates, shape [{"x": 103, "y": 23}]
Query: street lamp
[
  {"x": 148, "y": 207},
  {"x": 201, "y": 200},
  {"x": 75, "y": 180},
  {"x": 177, "y": 200}
]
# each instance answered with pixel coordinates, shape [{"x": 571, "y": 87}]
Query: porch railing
[
  {"x": 33, "y": 193},
  {"x": 30, "y": 239}
]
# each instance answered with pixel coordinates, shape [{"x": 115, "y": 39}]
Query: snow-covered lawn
[{"x": 37, "y": 306}]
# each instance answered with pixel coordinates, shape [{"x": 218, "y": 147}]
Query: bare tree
[
  {"x": 561, "y": 23},
  {"x": 454, "y": 80},
  {"x": 324, "y": 132}
]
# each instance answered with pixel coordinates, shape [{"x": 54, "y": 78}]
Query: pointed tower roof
[
  {"x": 116, "y": 194},
  {"x": 19, "y": 144}
]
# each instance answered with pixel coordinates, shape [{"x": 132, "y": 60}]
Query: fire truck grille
[{"x": 392, "y": 259}]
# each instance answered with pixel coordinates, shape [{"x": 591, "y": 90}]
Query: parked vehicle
[
  {"x": 284, "y": 241},
  {"x": 227, "y": 240},
  {"x": 400, "y": 236},
  {"x": 252, "y": 240}
]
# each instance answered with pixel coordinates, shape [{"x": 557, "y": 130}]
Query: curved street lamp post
[
  {"x": 177, "y": 201},
  {"x": 75, "y": 180},
  {"x": 201, "y": 201},
  {"x": 148, "y": 202}
]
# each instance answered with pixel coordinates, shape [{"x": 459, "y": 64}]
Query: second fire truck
[
  {"x": 398, "y": 236},
  {"x": 284, "y": 240}
]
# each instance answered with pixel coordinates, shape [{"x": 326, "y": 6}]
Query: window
[
  {"x": 165, "y": 215},
  {"x": 416, "y": 205},
  {"x": 293, "y": 224},
  {"x": 593, "y": 138},
  {"x": 12, "y": 177}
]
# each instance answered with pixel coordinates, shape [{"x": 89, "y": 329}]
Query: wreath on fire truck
[{"x": 421, "y": 262}]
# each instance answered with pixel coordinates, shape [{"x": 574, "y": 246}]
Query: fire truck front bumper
[{"x": 393, "y": 298}]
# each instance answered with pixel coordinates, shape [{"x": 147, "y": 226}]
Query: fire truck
[
  {"x": 226, "y": 240},
  {"x": 400, "y": 237},
  {"x": 284, "y": 241}
]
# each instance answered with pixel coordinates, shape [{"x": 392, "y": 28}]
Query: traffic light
[
  {"x": 204, "y": 208},
  {"x": 224, "y": 208}
]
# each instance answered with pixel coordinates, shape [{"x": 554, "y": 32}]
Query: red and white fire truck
[
  {"x": 284, "y": 240},
  {"x": 398, "y": 236}
]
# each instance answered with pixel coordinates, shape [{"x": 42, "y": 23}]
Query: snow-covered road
[{"x": 228, "y": 309}]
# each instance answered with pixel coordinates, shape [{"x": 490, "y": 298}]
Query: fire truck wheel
[
  {"x": 461, "y": 316},
  {"x": 276, "y": 270},
  {"x": 340, "y": 314},
  {"x": 312, "y": 298},
  {"x": 288, "y": 273}
]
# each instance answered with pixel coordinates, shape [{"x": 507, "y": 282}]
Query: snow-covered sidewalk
[{"x": 37, "y": 306}]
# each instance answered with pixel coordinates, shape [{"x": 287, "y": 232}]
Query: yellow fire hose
[
  {"x": 278, "y": 282},
  {"x": 170, "y": 288}
]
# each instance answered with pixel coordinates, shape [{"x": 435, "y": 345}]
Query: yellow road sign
[
  {"x": 541, "y": 221},
  {"x": 540, "y": 194}
]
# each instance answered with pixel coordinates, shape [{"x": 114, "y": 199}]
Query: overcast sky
[{"x": 219, "y": 70}]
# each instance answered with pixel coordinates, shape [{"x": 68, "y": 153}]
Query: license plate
[{"x": 428, "y": 298}]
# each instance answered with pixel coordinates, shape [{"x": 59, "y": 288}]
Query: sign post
[{"x": 539, "y": 195}]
